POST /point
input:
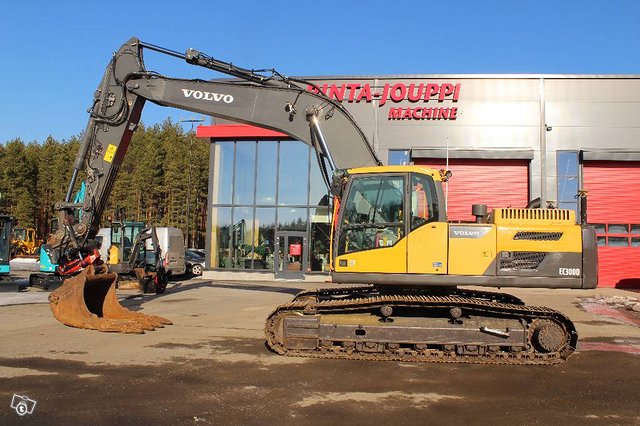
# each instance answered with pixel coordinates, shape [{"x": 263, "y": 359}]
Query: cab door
[
  {"x": 428, "y": 238},
  {"x": 372, "y": 225}
]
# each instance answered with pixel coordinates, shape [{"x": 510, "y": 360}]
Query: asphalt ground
[{"x": 212, "y": 367}]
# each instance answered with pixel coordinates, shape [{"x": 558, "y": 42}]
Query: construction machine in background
[
  {"x": 6, "y": 223},
  {"x": 389, "y": 232},
  {"x": 122, "y": 240},
  {"x": 135, "y": 253},
  {"x": 117, "y": 255},
  {"x": 24, "y": 241}
]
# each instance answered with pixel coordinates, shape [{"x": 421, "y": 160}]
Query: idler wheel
[
  {"x": 549, "y": 336},
  {"x": 455, "y": 312},
  {"x": 385, "y": 313}
]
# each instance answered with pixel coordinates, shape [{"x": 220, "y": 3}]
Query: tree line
[{"x": 152, "y": 185}]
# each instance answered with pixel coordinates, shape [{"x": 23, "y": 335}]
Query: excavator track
[
  {"x": 368, "y": 290},
  {"x": 461, "y": 327}
]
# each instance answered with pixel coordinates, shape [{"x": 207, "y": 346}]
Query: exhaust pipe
[{"x": 582, "y": 195}]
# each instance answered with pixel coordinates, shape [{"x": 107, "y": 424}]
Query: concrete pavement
[{"x": 211, "y": 367}]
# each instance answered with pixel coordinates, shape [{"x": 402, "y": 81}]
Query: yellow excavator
[{"x": 406, "y": 266}]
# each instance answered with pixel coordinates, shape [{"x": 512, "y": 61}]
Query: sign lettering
[
  {"x": 396, "y": 93},
  {"x": 295, "y": 249}
]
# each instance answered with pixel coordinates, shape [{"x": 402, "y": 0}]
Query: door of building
[
  {"x": 613, "y": 210},
  {"x": 291, "y": 259},
  {"x": 496, "y": 183}
]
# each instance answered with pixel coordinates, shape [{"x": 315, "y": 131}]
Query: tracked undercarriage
[{"x": 449, "y": 325}]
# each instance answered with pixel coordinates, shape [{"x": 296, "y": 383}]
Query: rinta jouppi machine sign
[{"x": 427, "y": 101}]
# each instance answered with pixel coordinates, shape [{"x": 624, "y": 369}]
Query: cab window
[
  {"x": 373, "y": 215},
  {"x": 424, "y": 202}
]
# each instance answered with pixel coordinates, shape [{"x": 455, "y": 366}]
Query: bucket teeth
[{"x": 88, "y": 300}]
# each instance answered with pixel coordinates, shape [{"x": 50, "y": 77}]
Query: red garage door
[
  {"x": 614, "y": 210},
  {"x": 496, "y": 183}
]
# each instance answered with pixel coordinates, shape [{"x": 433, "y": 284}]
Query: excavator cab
[
  {"x": 387, "y": 214},
  {"x": 123, "y": 237},
  {"x": 391, "y": 231},
  {"x": 135, "y": 254}
]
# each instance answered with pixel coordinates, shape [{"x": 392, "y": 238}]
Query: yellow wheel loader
[{"x": 24, "y": 241}]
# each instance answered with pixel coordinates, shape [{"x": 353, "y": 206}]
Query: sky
[{"x": 55, "y": 52}]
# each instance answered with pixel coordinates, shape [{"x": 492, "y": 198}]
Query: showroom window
[
  {"x": 260, "y": 188},
  {"x": 568, "y": 180},
  {"x": 399, "y": 157}
]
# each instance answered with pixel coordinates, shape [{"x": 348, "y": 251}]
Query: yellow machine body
[
  {"x": 392, "y": 229},
  {"x": 24, "y": 241},
  {"x": 114, "y": 255}
]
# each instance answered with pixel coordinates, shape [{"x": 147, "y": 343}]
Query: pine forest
[{"x": 152, "y": 185}]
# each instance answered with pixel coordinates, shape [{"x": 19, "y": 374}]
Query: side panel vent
[
  {"x": 521, "y": 259},
  {"x": 549, "y": 216},
  {"x": 538, "y": 236}
]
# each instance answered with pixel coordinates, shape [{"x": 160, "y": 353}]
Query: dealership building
[{"x": 508, "y": 140}]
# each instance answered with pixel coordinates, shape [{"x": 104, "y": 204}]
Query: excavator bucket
[{"x": 88, "y": 300}]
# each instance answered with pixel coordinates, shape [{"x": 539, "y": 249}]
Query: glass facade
[
  {"x": 223, "y": 178},
  {"x": 260, "y": 188},
  {"x": 568, "y": 180},
  {"x": 399, "y": 157},
  {"x": 293, "y": 174},
  {"x": 267, "y": 170}
]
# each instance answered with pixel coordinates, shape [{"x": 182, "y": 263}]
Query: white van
[
  {"x": 104, "y": 239},
  {"x": 172, "y": 245}
]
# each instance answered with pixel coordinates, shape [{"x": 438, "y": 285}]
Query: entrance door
[{"x": 291, "y": 259}]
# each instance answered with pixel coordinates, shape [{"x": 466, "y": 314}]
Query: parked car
[
  {"x": 197, "y": 251},
  {"x": 194, "y": 261}
]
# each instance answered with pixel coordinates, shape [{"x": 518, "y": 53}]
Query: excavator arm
[
  {"x": 88, "y": 299},
  {"x": 271, "y": 101}
]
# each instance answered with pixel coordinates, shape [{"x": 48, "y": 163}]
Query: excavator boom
[
  {"x": 271, "y": 101},
  {"x": 277, "y": 102}
]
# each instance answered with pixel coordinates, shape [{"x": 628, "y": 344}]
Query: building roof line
[{"x": 472, "y": 76}]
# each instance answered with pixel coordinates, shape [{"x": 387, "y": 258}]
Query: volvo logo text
[
  {"x": 466, "y": 231},
  {"x": 207, "y": 96}
]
